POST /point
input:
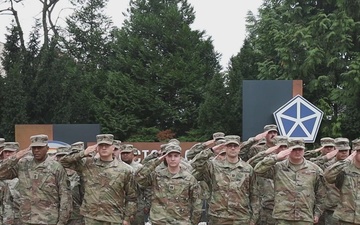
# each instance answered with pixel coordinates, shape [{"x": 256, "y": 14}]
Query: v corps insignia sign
[{"x": 299, "y": 118}]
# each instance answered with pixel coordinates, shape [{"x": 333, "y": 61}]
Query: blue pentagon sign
[{"x": 298, "y": 118}]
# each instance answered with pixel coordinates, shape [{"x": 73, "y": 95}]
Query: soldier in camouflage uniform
[
  {"x": 11, "y": 195},
  {"x": 332, "y": 192},
  {"x": 176, "y": 193},
  {"x": 298, "y": 185},
  {"x": 234, "y": 198},
  {"x": 270, "y": 131},
  {"x": 345, "y": 175},
  {"x": 127, "y": 156},
  {"x": 197, "y": 148},
  {"x": 266, "y": 185},
  {"x": 44, "y": 193},
  {"x": 110, "y": 192},
  {"x": 117, "y": 148},
  {"x": 74, "y": 179},
  {"x": 327, "y": 146}
]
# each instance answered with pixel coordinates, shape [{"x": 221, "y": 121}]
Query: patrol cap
[
  {"x": 117, "y": 144},
  {"x": 327, "y": 142},
  {"x": 105, "y": 139},
  {"x": 232, "y": 139},
  {"x": 218, "y": 135},
  {"x": 39, "y": 140},
  {"x": 270, "y": 127},
  {"x": 162, "y": 147},
  {"x": 127, "y": 148},
  {"x": 11, "y": 146},
  {"x": 342, "y": 144},
  {"x": 2, "y": 141},
  {"x": 173, "y": 148},
  {"x": 77, "y": 146},
  {"x": 175, "y": 141},
  {"x": 356, "y": 144},
  {"x": 220, "y": 141},
  {"x": 281, "y": 140},
  {"x": 296, "y": 143},
  {"x": 62, "y": 150}
]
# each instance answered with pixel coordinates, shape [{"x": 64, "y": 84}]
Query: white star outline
[{"x": 298, "y": 120}]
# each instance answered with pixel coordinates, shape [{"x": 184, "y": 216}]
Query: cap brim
[
  {"x": 126, "y": 151},
  {"x": 297, "y": 146},
  {"x": 10, "y": 149},
  {"x": 329, "y": 145},
  {"x": 345, "y": 149},
  {"x": 232, "y": 142},
  {"x": 105, "y": 142},
  {"x": 38, "y": 144},
  {"x": 272, "y": 130},
  {"x": 170, "y": 151}
]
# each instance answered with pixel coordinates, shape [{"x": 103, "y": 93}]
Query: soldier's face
[
  {"x": 296, "y": 154},
  {"x": 7, "y": 154},
  {"x": 341, "y": 155},
  {"x": 232, "y": 150},
  {"x": 105, "y": 150},
  {"x": 357, "y": 156},
  {"x": 40, "y": 152},
  {"x": 326, "y": 149},
  {"x": 127, "y": 157},
  {"x": 173, "y": 159},
  {"x": 270, "y": 135}
]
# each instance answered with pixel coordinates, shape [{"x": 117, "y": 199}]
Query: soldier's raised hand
[
  {"x": 261, "y": 136},
  {"x": 90, "y": 149},
  {"x": 331, "y": 154},
  {"x": 283, "y": 154},
  {"x": 272, "y": 149},
  {"x": 351, "y": 156},
  {"x": 23, "y": 152}
]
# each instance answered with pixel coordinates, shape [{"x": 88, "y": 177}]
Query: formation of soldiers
[{"x": 266, "y": 180}]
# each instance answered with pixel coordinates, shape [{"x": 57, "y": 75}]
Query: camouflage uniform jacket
[
  {"x": 194, "y": 150},
  {"x": 266, "y": 185},
  {"x": 44, "y": 192},
  {"x": 348, "y": 209},
  {"x": 75, "y": 187},
  {"x": 176, "y": 197},
  {"x": 299, "y": 194},
  {"x": 311, "y": 154},
  {"x": 234, "y": 192},
  {"x": 332, "y": 192},
  {"x": 11, "y": 202},
  {"x": 255, "y": 149},
  {"x": 321, "y": 160},
  {"x": 245, "y": 149},
  {"x": 4, "y": 201},
  {"x": 110, "y": 192}
]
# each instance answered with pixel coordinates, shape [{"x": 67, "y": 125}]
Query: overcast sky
[{"x": 223, "y": 20}]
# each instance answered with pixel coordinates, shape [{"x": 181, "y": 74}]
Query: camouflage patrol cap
[
  {"x": 296, "y": 143},
  {"x": 175, "y": 141},
  {"x": 162, "y": 147},
  {"x": 117, "y": 144},
  {"x": 356, "y": 144},
  {"x": 11, "y": 146},
  {"x": 235, "y": 139},
  {"x": 105, "y": 139},
  {"x": 2, "y": 141},
  {"x": 39, "y": 140},
  {"x": 270, "y": 127},
  {"x": 281, "y": 140},
  {"x": 220, "y": 141},
  {"x": 218, "y": 135},
  {"x": 77, "y": 146},
  {"x": 127, "y": 148},
  {"x": 327, "y": 142},
  {"x": 62, "y": 150},
  {"x": 342, "y": 144},
  {"x": 173, "y": 148}
]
